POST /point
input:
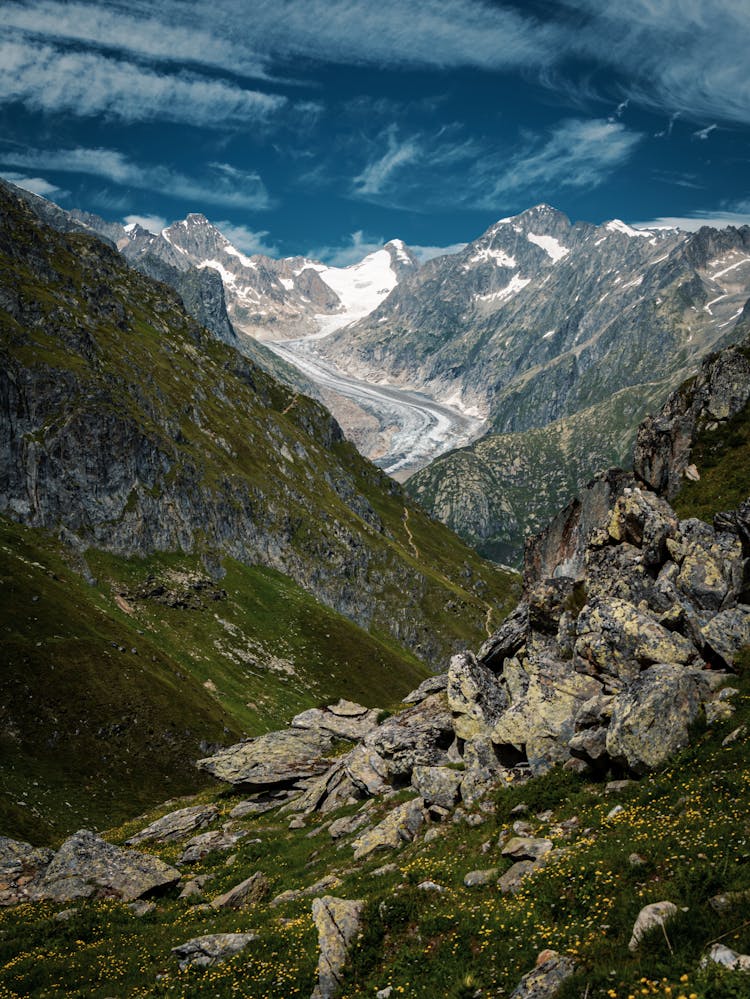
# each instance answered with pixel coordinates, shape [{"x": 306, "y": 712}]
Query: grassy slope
[{"x": 689, "y": 824}]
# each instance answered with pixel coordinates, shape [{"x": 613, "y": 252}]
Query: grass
[{"x": 688, "y": 823}]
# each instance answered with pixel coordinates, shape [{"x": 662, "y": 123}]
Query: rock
[
  {"x": 86, "y": 866},
  {"x": 293, "y": 894},
  {"x": 710, "y": 568},
  {"x": 253, "y": 807},
  {"x": 526, "y": 848},
  {"x": 249, "y": 892},
  {"x": 475, "y": 879},
  {"x": 65, "y": 915},
  {"x": 367, "y": 770},
  {"x": 419, "y": 736},
  {"x": 644, "y": 520},
  {"x": 203, "y": 952},
  {"x": 725, "y": 634},
  {"x": 337, "y": 921},
  {"x": 730, "y": 900},
  {"x": 650, "y": 917},
  {"x": 200, "y": 846},
  {"x": 345, "y": 720},
  {"x": 590, "y": 744},
  {"x": 432, "y": 685},
  {"x": 510, "y": 882},
  {"x": 636, "y": 860},
  {"x": 380, "y": 872},
  {"x": 727, "y": 958},
  {"x": 614, "y": 812},
  {"x": 176, "y": 824},
  {"x": 348, "y": 824},
  {"x": 430, "y": 886},
  {"x": 271, "y": 760},
  {"x": 400, "y": 826},
  {"x": 475, "y": 697},
  {"x": 194, "y": 887},
  {"x": 616, "y": 786},
  {"x": 651, "y": 717},
  {"x": 437, "y": 785},
  {"x": 385, "y": 993},
  {"x": 507, "y": 640},
  {"x": 617, "y": 639},
  {"x": 22, "y": 867},
  {"x": 545, "y": 980},
  {"x": 734, "y": 735},
  {"x": 141, "y": 908}
]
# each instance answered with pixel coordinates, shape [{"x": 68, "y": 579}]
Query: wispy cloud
[
  {"x": 576, "y": 154},
  {"x": 736, "y": 214},
  {"x": 37, "y": 185},
  {"x": 354, "y": 249},
  {"x": 703, "y": 133},
  {"x": 154, "y": 223},
  {"x": 222, "y": 184},
  {"x": 49, "y": 79},
  {"x": 377, "y": 174},
  {"x": 248, "y": 240},
  {"x": 425, "y": 253}
]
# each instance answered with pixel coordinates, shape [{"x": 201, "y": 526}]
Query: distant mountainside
[{"x": 205, "y": 503}]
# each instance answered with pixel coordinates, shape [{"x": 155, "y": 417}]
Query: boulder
[
  {"x": 86, "y": 866},
  {"x": 331, "y": 790},
  {"x": 641, "y": 518},
  {"x": 254, "y": 807},
  {"x": 651, "y": 916},
  {"x": 419, "y": 736},
  {"x": 432, "y": 685},
  {"x": 271, "y": 760},
  {"x": 200, "y": 846},
  {"x": 249, "y": 892},
  {"x": 337, "y": 921},
  {"x": 526, "y": 848},
  {"x": 22, "y": 867},
  {"x": 477, "y": 879},
  {"x": 177, "y": 824},
  {"x": 474, "y": 696},
  {"x": 348, "y": 824},
  {"x": 725, "y": 634},
  {"x": 617, "y": 639},
  {"x": 399, "y": 826},
  {"x": 545, "y": 980},
  {"x": 652, "y": 716},
  {"x": 203, "y": 952},
  {"x": 510, "y": 882},
  {"x": 437, "y": 785},
  {"x": 507, "y": 640},
  {"x": 727, "y": 958},
  {"x": 344, "y": 720}
]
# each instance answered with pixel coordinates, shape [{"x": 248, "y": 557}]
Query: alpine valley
[{"x": 368, "y": 761}]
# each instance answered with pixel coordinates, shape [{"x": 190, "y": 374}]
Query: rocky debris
[
  {"x": 214, "y": 948},
  {"x": 432, "y": 685},
  {"x": 367, "y": 769},
  {"x": 218, "y": 839},
  {"x": 327, "y": 883},
  {"x": 344, "y": 720},
  {"x": 175, "y": 825},
  {"x": 419, "y": 736},
  {"x": 399, "y": 826},
  {"x": 193, "y": 889},
  {"x": 526, "y": 848},
  {"x": 254, "y": 807},
  {"x": 271, "y": 760},
  {"x": 249, "y": 892},
  {"x": 437, "y": 785},
  {"x": 545, "y": 980},
  {"x": 651, "y": 916},
  {"x": 337, "y": 921},
  {"x": 22, "y": 867},
  {"x": 349, "y": 823},
  {"x": 510, "y": 881},
  {"x": 727, "y": 958},
  {"x": 476, "y": 879},
  {"x": 86, "y": 866}
]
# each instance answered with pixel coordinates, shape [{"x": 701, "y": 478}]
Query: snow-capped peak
[{"x": 618, "y": 226}]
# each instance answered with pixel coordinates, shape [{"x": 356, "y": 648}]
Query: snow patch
[
  {"x": 730, "y": 268},
  {"x": 245, "y": 261},
  {"x": 287, "y": 282},
  {"x": 552, "y": 247},
  {"x": 515, "y": 285},
  {"x": 501, "y": 258},
  {"x": 617, "y": 226}
]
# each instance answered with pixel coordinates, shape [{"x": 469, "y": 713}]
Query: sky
[{"x": 326, "y": 127}]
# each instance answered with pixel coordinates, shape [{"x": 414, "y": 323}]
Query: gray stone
[
  {"x": 348, "y": 824},
  {"x": 651, "y": 916},
  {"x": 271, "y": 760},
  {"x": 546, "y": 978},
  {"x": 251, "y": 891},
  {"x": 437, "y": 785},
  {"x": 475, "y": 697},
  {"x": 432, "y": 685},
  {"x": 345, "y": 720},
  {"x": 727, "y": 958},
  {"x": 176, "y": 824},
  {"x": 526, "y": 848},
  {"x": 727, "y": 633},
  {"x": 22, "y": 867},
  {"x": 367, "y": 770},
  {"x": 86, "y": 866},
  {"x": 253, "y": 807},
  {"x": 337, "y": 921},
  {"x": 399, "y": 826},
  {"x": 476, "y": 879},
  {"x": 643, "y": 519},
  {"x": 200, "y": 846},
  {"x": 214, "y": 948},
  {"x": 507, "y": 640},
  {"x": 419, "y": 736},
  {"x": 510, "y": 881}
]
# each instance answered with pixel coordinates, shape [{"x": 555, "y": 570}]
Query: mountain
[
  {"x": 161, "y": 493},
  {"x": 561, "y": 814}
]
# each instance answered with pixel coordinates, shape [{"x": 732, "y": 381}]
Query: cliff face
[{"x": 124, "y": 426}]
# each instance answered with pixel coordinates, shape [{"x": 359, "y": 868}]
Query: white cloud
[
  {"x": 703, "y": 133},
  {"x": 379, "y": 172},
  {"x": 736, "y": 215},
  {"x": 37, "y": 185},
  {"x": 425, "y": 253},
  {"x": 577, "y": 153},
  {"x": 247, "y": 240},
  {"x": 154, "y": 223},
  {"x": 356, "y": 248},
  {"x": 223, "y": 184},
  {"x": 46, "y": 78}
]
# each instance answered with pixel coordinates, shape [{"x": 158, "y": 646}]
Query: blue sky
[{"x": 326, "y": 127}]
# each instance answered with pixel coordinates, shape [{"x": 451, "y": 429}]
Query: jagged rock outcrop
[
  {"x": 337, "y": 921},
  {"x": 214, "y": 948},
  {"x": 174, "y": 825}
]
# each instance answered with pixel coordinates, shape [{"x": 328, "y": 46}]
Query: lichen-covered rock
[
  {"x": 86, "y": 866},
  {"x": 345, "y": 720},
  {"x": 510, "y": 881},
  {"x": 643, "y": 519},
  {"x": 507, "y": 640},
  {"x": 711, "y": 566},
  {"x": 545, "y": 980},
  {"x": 432, "y": 685},
  {"x": 337, "y": 921},
  {"x": 478, "y": 879},
  {"x": 475, "y": 697},
  {"x": 367, "y": 770},
  {"x": 214, "y": 948},
  {"x": 419, "y": 736},
  {"x": 437, "y": 785},
  {"x": 273, "y": 759},
  {"x": 399, "y": 826},
  {"x": 617, "y": 639},
  {"x": 651, "y": 916},
  {"x": 218, "y": 839},
  {"x": 176, "y": 824},
  {"x": 725, "y": 634},
  {"x": 526, "y": 848},
  {"x": 249, "y": 892},
  {"x": 652, "y": 716},
  {"x": 22, "y": 866}
]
